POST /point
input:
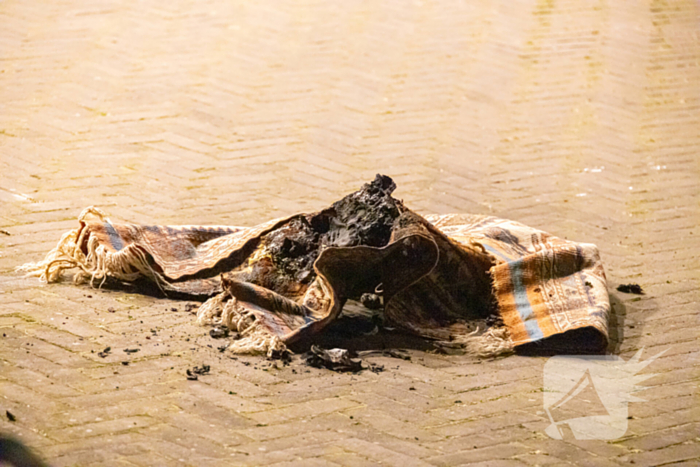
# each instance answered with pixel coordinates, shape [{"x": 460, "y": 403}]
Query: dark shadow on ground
[
  {"x": 149, "y": 289},
  {"x": 616, "y": 329},
  {"x": 586, "y": 341},
  {"x": 359, "y": 334}
]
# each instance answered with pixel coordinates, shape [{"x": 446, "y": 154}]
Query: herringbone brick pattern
[{"x": 579, "y": 118}]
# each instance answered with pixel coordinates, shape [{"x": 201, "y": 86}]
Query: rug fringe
[
  {"x": 495, "y": 342},
  {"x": 209, "y": 313},
  {"x": 224, "y": 310},
  {"x": 128, "y": 264}
]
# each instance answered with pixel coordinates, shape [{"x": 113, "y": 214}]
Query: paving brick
[
  {"x": 663, "y": 438},
  {"x": 497, "y": 463},
  {"x": 488, "y": 454},
  {"x": 378, "y": 453},
  {"x": 78, "y": 457},
  {"x": 297, "y": 455},
  {"x": 101, "y": 428},
  {"x": 117, "y": 395},
  {"x": 304, "y": 462},
  {"x": 539, "y": 459},
  {"x": 305, "y": 409},
  {"x": 188, "y": 422},
  {"x": 677, "y": 453},
  {"x": 125, "y": 444},
  {"x": 472, "y": 410},
  {"x": 39, "y": 382},
  {"x": 383, "y": 422},
  {"x": 518, "y": 419},
  {"x": 350, "y": 460},
  {"x": 178, "y": 443},
  {"x": 489, "y": 438},
  {"x": 666, "y": 420}
]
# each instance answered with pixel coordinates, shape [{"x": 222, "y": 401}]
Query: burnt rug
[{"x": 286, "y": 280}]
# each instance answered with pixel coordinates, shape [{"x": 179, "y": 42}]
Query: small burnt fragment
[
  {"x": 192, "y": 375},
  {"x": 333, "y": 359},
  {"x": 219, "y": 332},
  {"x": 203, "y": 370},
  {"x": 630, "y": 288},
  {"x": 284, "y": 355},
  {"x": 371, "y": 301}
]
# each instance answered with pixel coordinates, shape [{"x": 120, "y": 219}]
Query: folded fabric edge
[{"x": 532, "y": 322}]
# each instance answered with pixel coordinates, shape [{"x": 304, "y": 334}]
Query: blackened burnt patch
[
  {"x": 365, "y": 217},
  {"x": 294, "y": 248}
]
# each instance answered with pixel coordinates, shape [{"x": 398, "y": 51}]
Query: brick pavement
[{"x": 580, "y": 118}]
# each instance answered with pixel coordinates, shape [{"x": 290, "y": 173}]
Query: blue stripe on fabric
[
  {"x": 533, "y": 330},
  {"x": 522, "y": 303},
  {"x": 494, "y": 251},
  {"x": 114, "y": 237}
]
